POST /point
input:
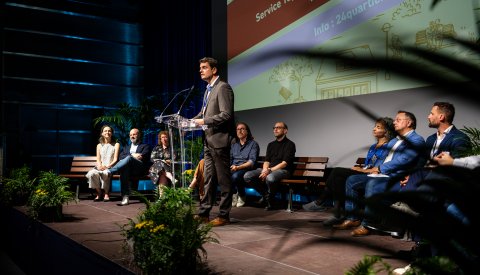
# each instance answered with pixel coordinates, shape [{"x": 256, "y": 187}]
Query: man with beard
[
  {"x": 446, "y": 139},
  {"x": 134, "y": 161},
  {"x": 278, "y": 165}
]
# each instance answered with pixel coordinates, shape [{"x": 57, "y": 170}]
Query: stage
[{"x": 90, "y": 241}]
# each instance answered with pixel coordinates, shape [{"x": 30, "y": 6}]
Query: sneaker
[
  {"x": 241, "y": 201},
  {"x": 333, "y": 221},
  {"x": 234, "y": 199},
  {"x": 401, "y": 270},
  {"x": 401, "y": 206},
  {"x": 313, "y": 206},
  {"x": 125, "y": 201}
]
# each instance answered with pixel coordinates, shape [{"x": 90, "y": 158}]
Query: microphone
[
  {"x": 185, "y": 100},
  {"x": 160, "y": 117}
]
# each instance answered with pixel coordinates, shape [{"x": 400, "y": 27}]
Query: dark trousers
[
  {"x": 127, "y": 168},
  {"x": 217, "y": 173},
  {"x": 335, "y": 188}
]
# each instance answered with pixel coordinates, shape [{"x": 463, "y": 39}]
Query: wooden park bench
[
  {"x": 79, "y": 168},
  {"x": 307, "y": 171}
]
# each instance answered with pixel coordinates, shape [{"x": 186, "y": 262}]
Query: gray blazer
[{"x": 219, "y": 115}]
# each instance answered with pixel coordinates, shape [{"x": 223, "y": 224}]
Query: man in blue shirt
[{"x": 243, "y": 156}]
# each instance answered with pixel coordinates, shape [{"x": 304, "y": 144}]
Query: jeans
[
  {"x": 127, "y": 168},
  {"x": 353, "y": 187},
  {"x": 238, "y": 182},
  {"x": 251, "y": 177}
]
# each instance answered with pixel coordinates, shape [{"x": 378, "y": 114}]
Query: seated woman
[
  {"x": 161, "y": 170},
  {"x": 198, "y": 179},
  {"x": 107, "y": 155},
  {"x": 383, "y": 132}
]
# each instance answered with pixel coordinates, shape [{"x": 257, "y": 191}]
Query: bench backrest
[{"x": 81, "y": 165}]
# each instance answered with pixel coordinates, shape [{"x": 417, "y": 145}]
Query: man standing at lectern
[{"x": 218, "y": 117}]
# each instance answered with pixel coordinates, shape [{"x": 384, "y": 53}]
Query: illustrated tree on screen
[{"x": 293, "y": 70}]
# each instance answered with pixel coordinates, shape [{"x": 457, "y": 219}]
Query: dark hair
[
  {"x": 447, "y": 109},
  {"x": 249, "y": 134},
  {"x": 102, "y": 140},
  {"x": 411, "y": 116},
  {"x": 211, "y": 61},
  {"x": 387, "y": 123}
]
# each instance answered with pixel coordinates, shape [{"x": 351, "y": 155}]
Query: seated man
[
  {"x": 405, "y": 154},
  {"x": 278, "y": 165},
  {"x": 446, "y": 138},
  {"x": 243, "y": 156},
  {"x": 134, "y": 161}
]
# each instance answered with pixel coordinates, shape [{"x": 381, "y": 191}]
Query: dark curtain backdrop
[{"x": 175, "y": 39}]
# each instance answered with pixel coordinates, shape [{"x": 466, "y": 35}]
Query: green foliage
[
  {"x": 474, "y": 135},
  {"x": 51, "y": 191},
  {"x": 166, "y": 238},
  {"x": 125, "y": 117},
  {"x": 193, "y": 150},
  {"x": 16, "y": 188},
  {"x": 369, "y": 265}
]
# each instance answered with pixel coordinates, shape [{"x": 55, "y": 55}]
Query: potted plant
[
  {"x": 16, "y": 189},
  {"x": 165, "y": 237},
  {"x": 47, "y": 199}
]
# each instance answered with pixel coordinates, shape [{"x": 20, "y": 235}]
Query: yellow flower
[
  {"x": 140, "y": 225},
  {"x": 158, "y": 228}
]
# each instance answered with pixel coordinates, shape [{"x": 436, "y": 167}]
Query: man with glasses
[
  {"x": 243, "y": 156},
  {"x": 405, "y": 154},
  {"x": 278, "y": 165}
]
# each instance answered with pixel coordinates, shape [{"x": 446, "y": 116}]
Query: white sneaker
[
  {"x": 234, "y": 199},
  {"x": 241, "y": 201},
  {"x": 125, "y": 200},
  {"x": 401, "y": 270}
]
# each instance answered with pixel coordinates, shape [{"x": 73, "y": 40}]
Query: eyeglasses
[
  {"x": 278, "y": 127},
  {"x": 241, "y": 129}
]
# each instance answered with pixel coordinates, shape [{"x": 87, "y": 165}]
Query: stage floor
[{"x": 256, "y": 242}]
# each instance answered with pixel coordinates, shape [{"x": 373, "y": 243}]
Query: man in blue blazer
[
  {"x": 405, "y": 154},
  {"x": 134, "y": 161},
  {"x": 447, "y": 138}
]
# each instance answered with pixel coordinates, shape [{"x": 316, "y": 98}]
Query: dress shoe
[
  {"x": 125, "y": 201},
  {"x": 202, "y": 219},
  {"x": 347, "y": 224},
  {"x": 218, "y": 221},
  {"x": 361, "y": 231},
  {"x": 333, "y": 221}
]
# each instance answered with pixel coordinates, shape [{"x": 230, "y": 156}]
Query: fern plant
[
  {"x": 474, "y": 135},
  {"x": 50, "y": 193},
  {"x": 17, "y": 187},
  {"x": 165, "y": 237}
]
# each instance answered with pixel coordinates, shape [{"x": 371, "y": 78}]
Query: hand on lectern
[{"x": 199, "y": 122}]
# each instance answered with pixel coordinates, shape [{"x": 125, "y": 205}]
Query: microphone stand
[
  {"x": 185, "y": 100},
  {"x": 160, "y": 117}
]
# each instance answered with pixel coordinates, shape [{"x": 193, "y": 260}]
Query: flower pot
[{"x": 51, "y": 213}]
